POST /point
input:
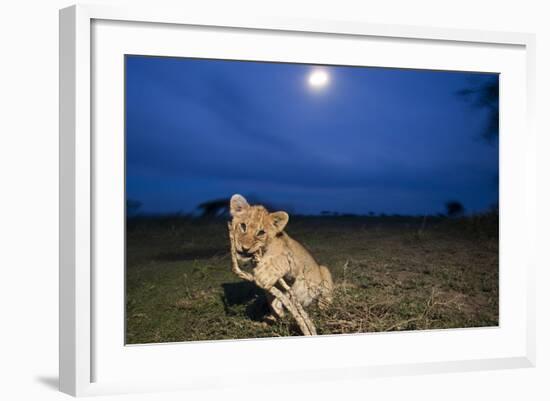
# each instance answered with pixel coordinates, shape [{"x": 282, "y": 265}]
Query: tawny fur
[{"x": 260, "y": 239}]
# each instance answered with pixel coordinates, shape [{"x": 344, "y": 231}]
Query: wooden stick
[
  {"x": 299, "y": 309},
  {"x": 234, "y": 262},
  {"x": 294, "y": 308}
]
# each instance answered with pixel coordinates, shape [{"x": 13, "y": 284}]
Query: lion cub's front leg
[{"x": 269, "y": 270}]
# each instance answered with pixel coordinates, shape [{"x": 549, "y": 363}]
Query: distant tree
[
  {"x": 454, "y": 208},
  {"x": 214, "y": 208},
  {"x": 485, "y": 96},
  {"x": 132, "y": 207},
  {"x": 371, "y": 214},
  {"x": 329, "y": 213}
]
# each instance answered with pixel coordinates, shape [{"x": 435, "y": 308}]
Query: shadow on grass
[{"x": 245, "y": 293}]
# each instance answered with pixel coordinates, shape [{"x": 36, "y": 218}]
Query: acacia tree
[
  {"x": 454, "y": 208},
  {"x": 485, "y": 96},
  {"x": 215, "y": 208}
]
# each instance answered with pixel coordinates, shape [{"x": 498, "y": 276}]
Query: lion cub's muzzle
[
  {"x": 250, "y": 253},
  {"x": 245, "y": 253}
]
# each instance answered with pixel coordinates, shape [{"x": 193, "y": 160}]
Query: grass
[{"x": 391, "y": 273}]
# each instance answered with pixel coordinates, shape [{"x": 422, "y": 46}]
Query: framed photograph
[{"x": 343, "y": 199}]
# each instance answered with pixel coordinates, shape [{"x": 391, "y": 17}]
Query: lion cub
[{"x": 260, "y": 240}]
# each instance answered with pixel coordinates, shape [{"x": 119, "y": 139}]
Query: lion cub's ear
[
  {"x": 238, "y": 204},
  {"x": 280, "y": 220}
]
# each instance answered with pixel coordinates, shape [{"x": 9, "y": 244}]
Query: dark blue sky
[{"x": 372, "y": 139}]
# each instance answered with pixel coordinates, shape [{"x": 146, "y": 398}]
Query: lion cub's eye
[
  {"x": 260, "y": 233},
  {"x": 243, "y": 227}
]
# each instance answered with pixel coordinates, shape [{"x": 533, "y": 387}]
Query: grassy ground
[{"x": 390, "y": 273}]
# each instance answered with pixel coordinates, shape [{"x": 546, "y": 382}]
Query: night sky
[{"x": 371, "y": 139}]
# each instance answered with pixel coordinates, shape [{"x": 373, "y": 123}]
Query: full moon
[{"x": 318, "y": 79}]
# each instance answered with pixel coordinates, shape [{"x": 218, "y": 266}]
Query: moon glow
[{"x": 318, "y": 79}]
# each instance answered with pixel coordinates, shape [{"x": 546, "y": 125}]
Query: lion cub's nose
[{"x": 245, "y": 249}]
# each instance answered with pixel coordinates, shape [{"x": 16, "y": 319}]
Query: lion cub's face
[{"x": 253, "y": 226}]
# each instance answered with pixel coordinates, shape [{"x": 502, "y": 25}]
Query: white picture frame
[{"x": 84, "y": 354}]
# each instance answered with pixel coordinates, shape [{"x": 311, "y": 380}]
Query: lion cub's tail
[{"x": 327, "y": 287}]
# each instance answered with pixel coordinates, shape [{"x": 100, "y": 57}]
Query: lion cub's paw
[
  {"x": 269, "y": 271},
  {"x": 265, "y": 279}
]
